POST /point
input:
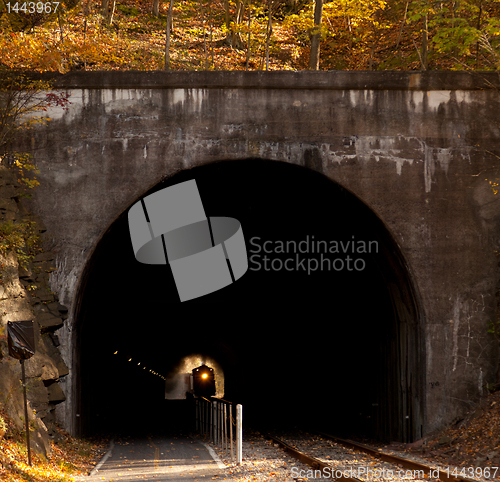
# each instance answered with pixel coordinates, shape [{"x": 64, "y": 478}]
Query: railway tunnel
[{"x": 323, "y": 330}]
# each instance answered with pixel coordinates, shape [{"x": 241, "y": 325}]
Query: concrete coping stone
[{"x": 311, "y": 80}]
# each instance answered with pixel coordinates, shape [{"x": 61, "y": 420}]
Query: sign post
[
  {"x": 23, "y": 376},
  {"x": 21, "y": 341}
]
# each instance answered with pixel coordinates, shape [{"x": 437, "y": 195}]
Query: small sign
[{"x": 21, "y": 339}]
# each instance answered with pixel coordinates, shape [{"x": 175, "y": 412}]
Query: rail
[
  {"x": 313, "y": 462},
  {"x": 214, "y": 418},
  {"x": 429, "y": 471},
  {"x": 443, "y": 474}
]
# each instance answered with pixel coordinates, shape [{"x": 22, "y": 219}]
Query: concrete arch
[{"x": 400, "y": 369}]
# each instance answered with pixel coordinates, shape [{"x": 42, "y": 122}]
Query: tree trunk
[
  {"x": 108, "y": 10},
  {"x": 85, "y": 14},
  {"x": 60, "y": 25},
  {"x": 236, "y": 41},
  {"x": 376, "y": 39},
  {"x": 211, "y": 32},
  {"x": 104, "y": 8},
  {"x": 403, "y": 23},
  {"x": 204, "y": 35},
  {"x": 425, "y": 41},
  {"x": 228, "y": 16},
  {"x": 316, "y": 37},
  {"x": 156, "y": 8},
  {"x": 167, "y": 40},
  {"x": 269, "y": 32},
  {"x": 249, "y": 40},
  {"x": 294, "y": 6},
  {"x": 111, "y": 12},
  {"x": 478, "y": 28},
  {"x": 233, "y": 37}
]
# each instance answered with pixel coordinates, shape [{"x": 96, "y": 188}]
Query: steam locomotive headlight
[{"x": 204, "y": 381}]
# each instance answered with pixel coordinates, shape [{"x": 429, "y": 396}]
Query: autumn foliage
[
  {"x": 69, "y": 458},
  {"x": 238, "y": 35}
]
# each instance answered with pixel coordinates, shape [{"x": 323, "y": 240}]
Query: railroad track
[{"x": 333, "y": 458}]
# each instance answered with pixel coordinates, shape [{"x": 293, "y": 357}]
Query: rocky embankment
[{"x": 25, "y": 295}]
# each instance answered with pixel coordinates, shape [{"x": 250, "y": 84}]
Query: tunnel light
[{"x": 144, "y": 367}]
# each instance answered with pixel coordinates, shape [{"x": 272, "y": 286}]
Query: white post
[
  {"x": 239, "y": 434},
  {"x": 231, "y": 429}
]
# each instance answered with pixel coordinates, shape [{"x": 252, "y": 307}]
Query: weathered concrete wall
[{"x": 419, "y": 149}]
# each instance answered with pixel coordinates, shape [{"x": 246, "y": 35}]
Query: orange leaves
[
  {"x": 69, "y": 458},
  {"x": 51, "y": 61},
  {"x": 357, "y": 34},
  {"x": 473, "y": 441}
]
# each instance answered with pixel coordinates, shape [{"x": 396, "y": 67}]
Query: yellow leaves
[
  {"x": 357, "y": 10},
  {"x": 43, "y": 50},
  {"x": 21, "y": 51},
  {"x": 357, "y": 34},
  {"x": 58, "y": 467}
]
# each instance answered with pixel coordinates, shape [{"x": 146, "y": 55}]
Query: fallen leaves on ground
[
  {"x": 473, "y": 441},
  {"x": 70, "y": 457}
]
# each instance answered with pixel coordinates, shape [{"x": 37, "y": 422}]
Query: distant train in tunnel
[{"x": 203, "y": 381}]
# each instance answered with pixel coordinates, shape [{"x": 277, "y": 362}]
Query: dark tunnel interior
[{"x": 338, "y": 349}]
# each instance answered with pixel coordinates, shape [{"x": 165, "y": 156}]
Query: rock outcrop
[{"x": 25, "y": 295}]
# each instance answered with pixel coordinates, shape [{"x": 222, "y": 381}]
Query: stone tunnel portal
[{"x": 323, "y": 329}]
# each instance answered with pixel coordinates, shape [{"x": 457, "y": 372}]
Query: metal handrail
[{"x": 214, "y": 417}]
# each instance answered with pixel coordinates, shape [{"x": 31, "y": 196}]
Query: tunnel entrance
[{"x": 323, "y": 329}]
